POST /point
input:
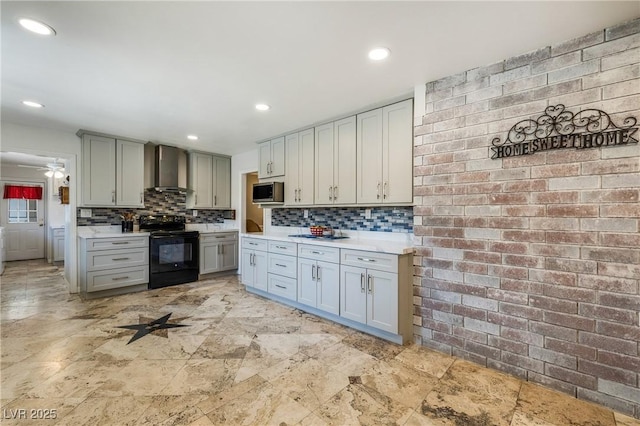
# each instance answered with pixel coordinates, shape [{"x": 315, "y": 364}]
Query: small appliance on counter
[
  {"x": 325, "y": 232},
  {"x": 173, "y": 251}
]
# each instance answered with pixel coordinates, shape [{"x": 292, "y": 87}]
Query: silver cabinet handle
[
  {"x": 281, "y": 247},
  {"x": 253, "y": 257},
  {"x": 281, "y": 286},
  {"x": 119, "y": 278},
  {"x": 299, "y": 194},
  {"x": 313, "y": 272},
  {"x": 215, "y": 200},
  {"x": 384, "y": 190},
  {"x": 253, "y": 244},
  {"x": 335, "y": 192},
  {"x": 331, "y": 193},
  {"x": 318, "y": 273},
  {"x": 317, "y": 252},
  {"x": 378, "y": 191},
  {"x": 282, "y": 266},
  {"x": 141, "y": 198},
  {"x": 221, "y": 249},
  {"x": 295, "y": 195},
  {"x": 120, "y": 242},
  {"x": 121, "y": 258},
  {"x": 196, "y": 201},
  {"x": 113, "y": 196},
  {"x": 370, "y": 284},
  {"x": 362, "y": 282},
  {"x": 364, "y": 259}
]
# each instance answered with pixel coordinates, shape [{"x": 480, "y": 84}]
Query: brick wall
[{"x": 531, "y": 264}]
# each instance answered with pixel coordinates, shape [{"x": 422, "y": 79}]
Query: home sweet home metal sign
[{"x": 560, "y": 129}]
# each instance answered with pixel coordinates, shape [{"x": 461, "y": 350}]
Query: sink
[{"x": 324, "y": 237}]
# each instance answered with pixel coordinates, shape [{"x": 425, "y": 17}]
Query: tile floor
[{"x": 242, "y": 360}]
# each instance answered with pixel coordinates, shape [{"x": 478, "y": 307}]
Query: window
[{"x": 23, "y": 211}]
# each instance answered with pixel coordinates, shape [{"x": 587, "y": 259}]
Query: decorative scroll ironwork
[{"x": 559, "y": 128}]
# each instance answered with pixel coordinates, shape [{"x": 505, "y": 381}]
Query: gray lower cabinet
[
  {"x": 218, "y": 252},
  {"x": 111, "y": 266},
  {"x": 319, "y": 277},
  {"x": 57, "y": 244},
  {"x": 282, "y": 269},
  {"x": 254, "y": 263}
]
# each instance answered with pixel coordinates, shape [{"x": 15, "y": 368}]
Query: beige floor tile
[
  {"x": 427, "y": 360},
  {"x": 121, "y": 411},
  {"x": 468, "y": 393},
  {"x": 203, "y": 376},
  {"x": 555, "y": 408},
  {"x": 373, "y": 346},
  {"x": 226, "y": 396},
  {"x": 622, "y": 420},
  {"x": 224, "y": 346},
  {"x": 21, "y": 378},
  {"x": 260, "y": 406},
  {"x": 522, "y": 419},
  {"x": 171, "y": 410},
  {"x": 358, "y": 405},
  {"x": 139, "y": 377},
  {"x": 347, "y": 359},
  {"x": 37, "y": 411},
  {"x": 403, "y": 384}
]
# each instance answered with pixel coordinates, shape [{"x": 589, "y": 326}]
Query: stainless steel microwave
[{"x": 268, "y": 192}]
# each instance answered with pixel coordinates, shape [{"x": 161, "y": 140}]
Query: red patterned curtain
[{"x": 23, "y": 192}]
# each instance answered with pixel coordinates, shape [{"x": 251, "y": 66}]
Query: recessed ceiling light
[
  {"x": 33, "y": 104},
  {"x": 192, "y": 137},
  {"x": 379, "y": 53},
  {"x": 37, "y": 27},
  {"x": 262, "y": 107}
]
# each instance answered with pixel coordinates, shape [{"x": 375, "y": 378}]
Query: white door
[
  {"x": 397, "y": 141},
  {"x": 369, "y": 157},
  {"x": 353, "y": 297},
  {"x": 23, "y": 221},
  {"x": 324, "y": 164},
  {"x": 382, "y": 300},
  {"x": 328, "y": 287}
]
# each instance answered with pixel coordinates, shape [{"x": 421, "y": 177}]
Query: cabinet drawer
[
  {"x": 218, "y": 237},
  {"x": 116, "y": 243},
  {"x": 109, "y": 259},
  {"x": 116, "y": 278},
  {"x": 282, "y": 286},
  {"x": 283, "y": 247},
  {"x": 327, "y": 254},
  {"x": 254, "y": 244},
  {"x": 370, "y": 260},
  {"x": 282, "y": 265}
]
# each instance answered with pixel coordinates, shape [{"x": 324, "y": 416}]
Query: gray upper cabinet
[
  {"x": 300, "y": 166},
  {"x": 112, "y": 172},
  {"x": 272, "y": 158},
  {"x": 385, "y": 155},
  {"x": 209, "y": 182}
]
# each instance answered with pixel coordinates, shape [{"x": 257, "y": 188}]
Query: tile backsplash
[
  {"x": 167, "y": 202},
  {"x": 383, "y": 219}
]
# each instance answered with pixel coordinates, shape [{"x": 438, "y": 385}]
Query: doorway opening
[{"x": 254, "y": 214}]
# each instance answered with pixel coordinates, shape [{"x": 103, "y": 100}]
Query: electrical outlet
[
  {"x": 306, "y": 213},
  {"x": 85, "y": 212},
  {"x": 195, "y": 213},
  {"x": 367, "y": 213}
]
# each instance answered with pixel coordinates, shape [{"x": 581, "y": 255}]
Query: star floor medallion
[{"x": 158, "y": 325}]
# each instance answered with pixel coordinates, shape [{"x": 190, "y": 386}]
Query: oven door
[{"x": 173, "y": 253}]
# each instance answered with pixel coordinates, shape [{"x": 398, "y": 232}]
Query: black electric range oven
[{"x": 173, "y": 252}]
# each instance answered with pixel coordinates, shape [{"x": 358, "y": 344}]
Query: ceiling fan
[{"x": 54, "y": 169}]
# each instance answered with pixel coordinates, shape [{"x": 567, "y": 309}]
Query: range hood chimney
[{"x": 169, "y": 168}]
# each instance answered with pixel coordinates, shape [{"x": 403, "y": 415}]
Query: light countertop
[
  {"x": 107, "y": 232},
  {"x": 365, "y": 242},
  {"x": 209, "y": 228}
]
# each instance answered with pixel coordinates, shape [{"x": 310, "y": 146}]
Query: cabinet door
[
  {"x": 397, "y": 142},
  {"x": 277, "y": 157},
  {"x": 248, "y": 270},
  {"x": 291, "y": 182},
  {"x": 265, "y": 160},
  {"x": 307, "y": 293},
  {"x": 130, "y": 173},
  {"x": 222, "y": 196},
  {"x": 98, "y": 171},
  {"x": 369, "y": 157},
  {"x": 202, "y": 180},
  {"x": 306, "y": 159},
  {"x": 209, "y": 258},
  {"x": 260, "y": 265},
  {"x": 58, "y": 248},
  {"x": 382, "y": 300},
  {"x": 328, "y": 287},
  {"x": 228, "y": 255},
  {"x": 344, "y": 162},
  {"x": 353, "y": 297},
  {"x": 324, "y": 164}
]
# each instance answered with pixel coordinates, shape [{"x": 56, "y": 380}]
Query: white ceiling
[{"x": 161, "y": 70}]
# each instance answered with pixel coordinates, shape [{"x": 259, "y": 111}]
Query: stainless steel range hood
[{"x": 167, "y": 167}]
